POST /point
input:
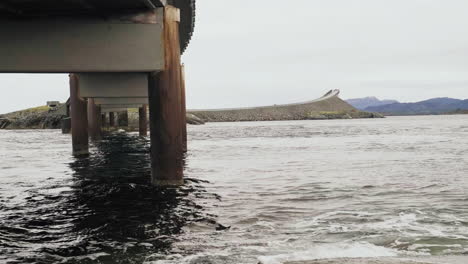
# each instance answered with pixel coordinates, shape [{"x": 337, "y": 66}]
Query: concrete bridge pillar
[
  {"x": 143, "y": 121},
  {"x": 79, "y": 119},
  {"x": 122, "y": 119},
  {"x": 111, "y": 119},
  {"x": 104, "y": 123},
  {"x": 94, "y": 120},
  {"x": 164, "y": 95}
]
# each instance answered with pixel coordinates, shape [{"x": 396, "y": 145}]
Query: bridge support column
[
  {"x": 111, "y": 119},
  {"x": 94, "y": 120},
  {"x": 164, "y": 97},
  {"x": 122, "y": 119},
  {"x": 183, "y": 109},
  {"x": 143, "y": 123},
  {"x": 79, "y": 119},
  {"x": 103, "y": 120}
]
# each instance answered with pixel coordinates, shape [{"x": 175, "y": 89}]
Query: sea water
[{"x": 255, "y": 192}]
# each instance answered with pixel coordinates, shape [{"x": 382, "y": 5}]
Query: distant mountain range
[
  {"x": 433, "y": 106},
  {"x": 363, "y": 103}
]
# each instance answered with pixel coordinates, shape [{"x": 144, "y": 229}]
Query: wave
[{"x": 332, "y": 251}]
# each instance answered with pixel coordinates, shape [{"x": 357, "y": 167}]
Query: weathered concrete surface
[
  {"x": 80, "y": 46},
  {"x": 329, "y": 106}
]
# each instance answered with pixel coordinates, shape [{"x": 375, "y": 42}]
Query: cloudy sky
[{"x": 276, "y": 51}]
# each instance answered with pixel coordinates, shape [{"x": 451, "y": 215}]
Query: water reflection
[{"x": 107, "y": 213}]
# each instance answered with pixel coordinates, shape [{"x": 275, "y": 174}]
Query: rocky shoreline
[
  {"x": 44, "y": 118},
  {"x": 33, "y": 118}
]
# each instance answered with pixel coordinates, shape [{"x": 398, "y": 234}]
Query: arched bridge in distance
[{"x": 120, "y": 54}]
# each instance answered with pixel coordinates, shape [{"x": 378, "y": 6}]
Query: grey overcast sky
[{"x": 276, "y": 51}]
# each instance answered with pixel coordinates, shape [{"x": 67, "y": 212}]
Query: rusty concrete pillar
[
  {"x": 183, "y": 109},
  {"x": 94, "y": 120},
  {"x": 122, "y": 119},
  {"x": 79, "y": 119},
  {"x": 100, "y": 120},
  {"x": 65, "y": 124},
  {"x": 164, "y": 97},
  {"x": 103, "y": 120},
  {"x": 143, "y": 121},
  {"x": 111, "y": 119}
]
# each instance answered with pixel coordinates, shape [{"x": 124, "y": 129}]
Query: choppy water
[{"x": 288, "y": 191}]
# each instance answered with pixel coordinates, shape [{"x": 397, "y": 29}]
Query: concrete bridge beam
[
  {"x": 118, "y": 110},
  {"x": 122, "y": 101},
  {"x": 164, "y": 94},
  {"x": 79, "y": 119},
  {"x": 114, "y": 85},
  {"x": 78, "y": 45},
  {"x": 108, "y": 108}
]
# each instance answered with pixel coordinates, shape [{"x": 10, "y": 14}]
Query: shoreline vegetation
[{"x": 329, "y": 106}]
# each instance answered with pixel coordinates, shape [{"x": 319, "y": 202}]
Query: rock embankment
[
  {"x": 330, "y": 106},
  {"x": 33, "y": 118},
  {"x": 45, "y": 118},
  {"x": 4, "y": 122},
  {"x": 133, "y": 119},
  {"x": 194, "y": 120}
]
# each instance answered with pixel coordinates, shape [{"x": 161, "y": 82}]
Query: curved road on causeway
[{"x": 330, "y": 94}]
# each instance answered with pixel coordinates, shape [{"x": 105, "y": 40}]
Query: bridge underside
[
  {"x": 32, "y": 8},
  {"x": 101, "y": 9},
  {"x": 121, "y": 53}
]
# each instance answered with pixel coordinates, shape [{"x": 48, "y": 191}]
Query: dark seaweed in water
[{"x": 109, "y": 213}]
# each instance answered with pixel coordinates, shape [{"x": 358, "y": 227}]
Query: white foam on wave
[
  {"x": 325, "y": 217},
  {"x": 332, "y": 251},
  {"x": 407, "y": 224},
  {"x": 410, "y": 225}
]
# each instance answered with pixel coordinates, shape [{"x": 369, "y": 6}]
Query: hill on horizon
[
  {"x": 433, "y": 106},
  {"x": 363, "y": 103}
]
